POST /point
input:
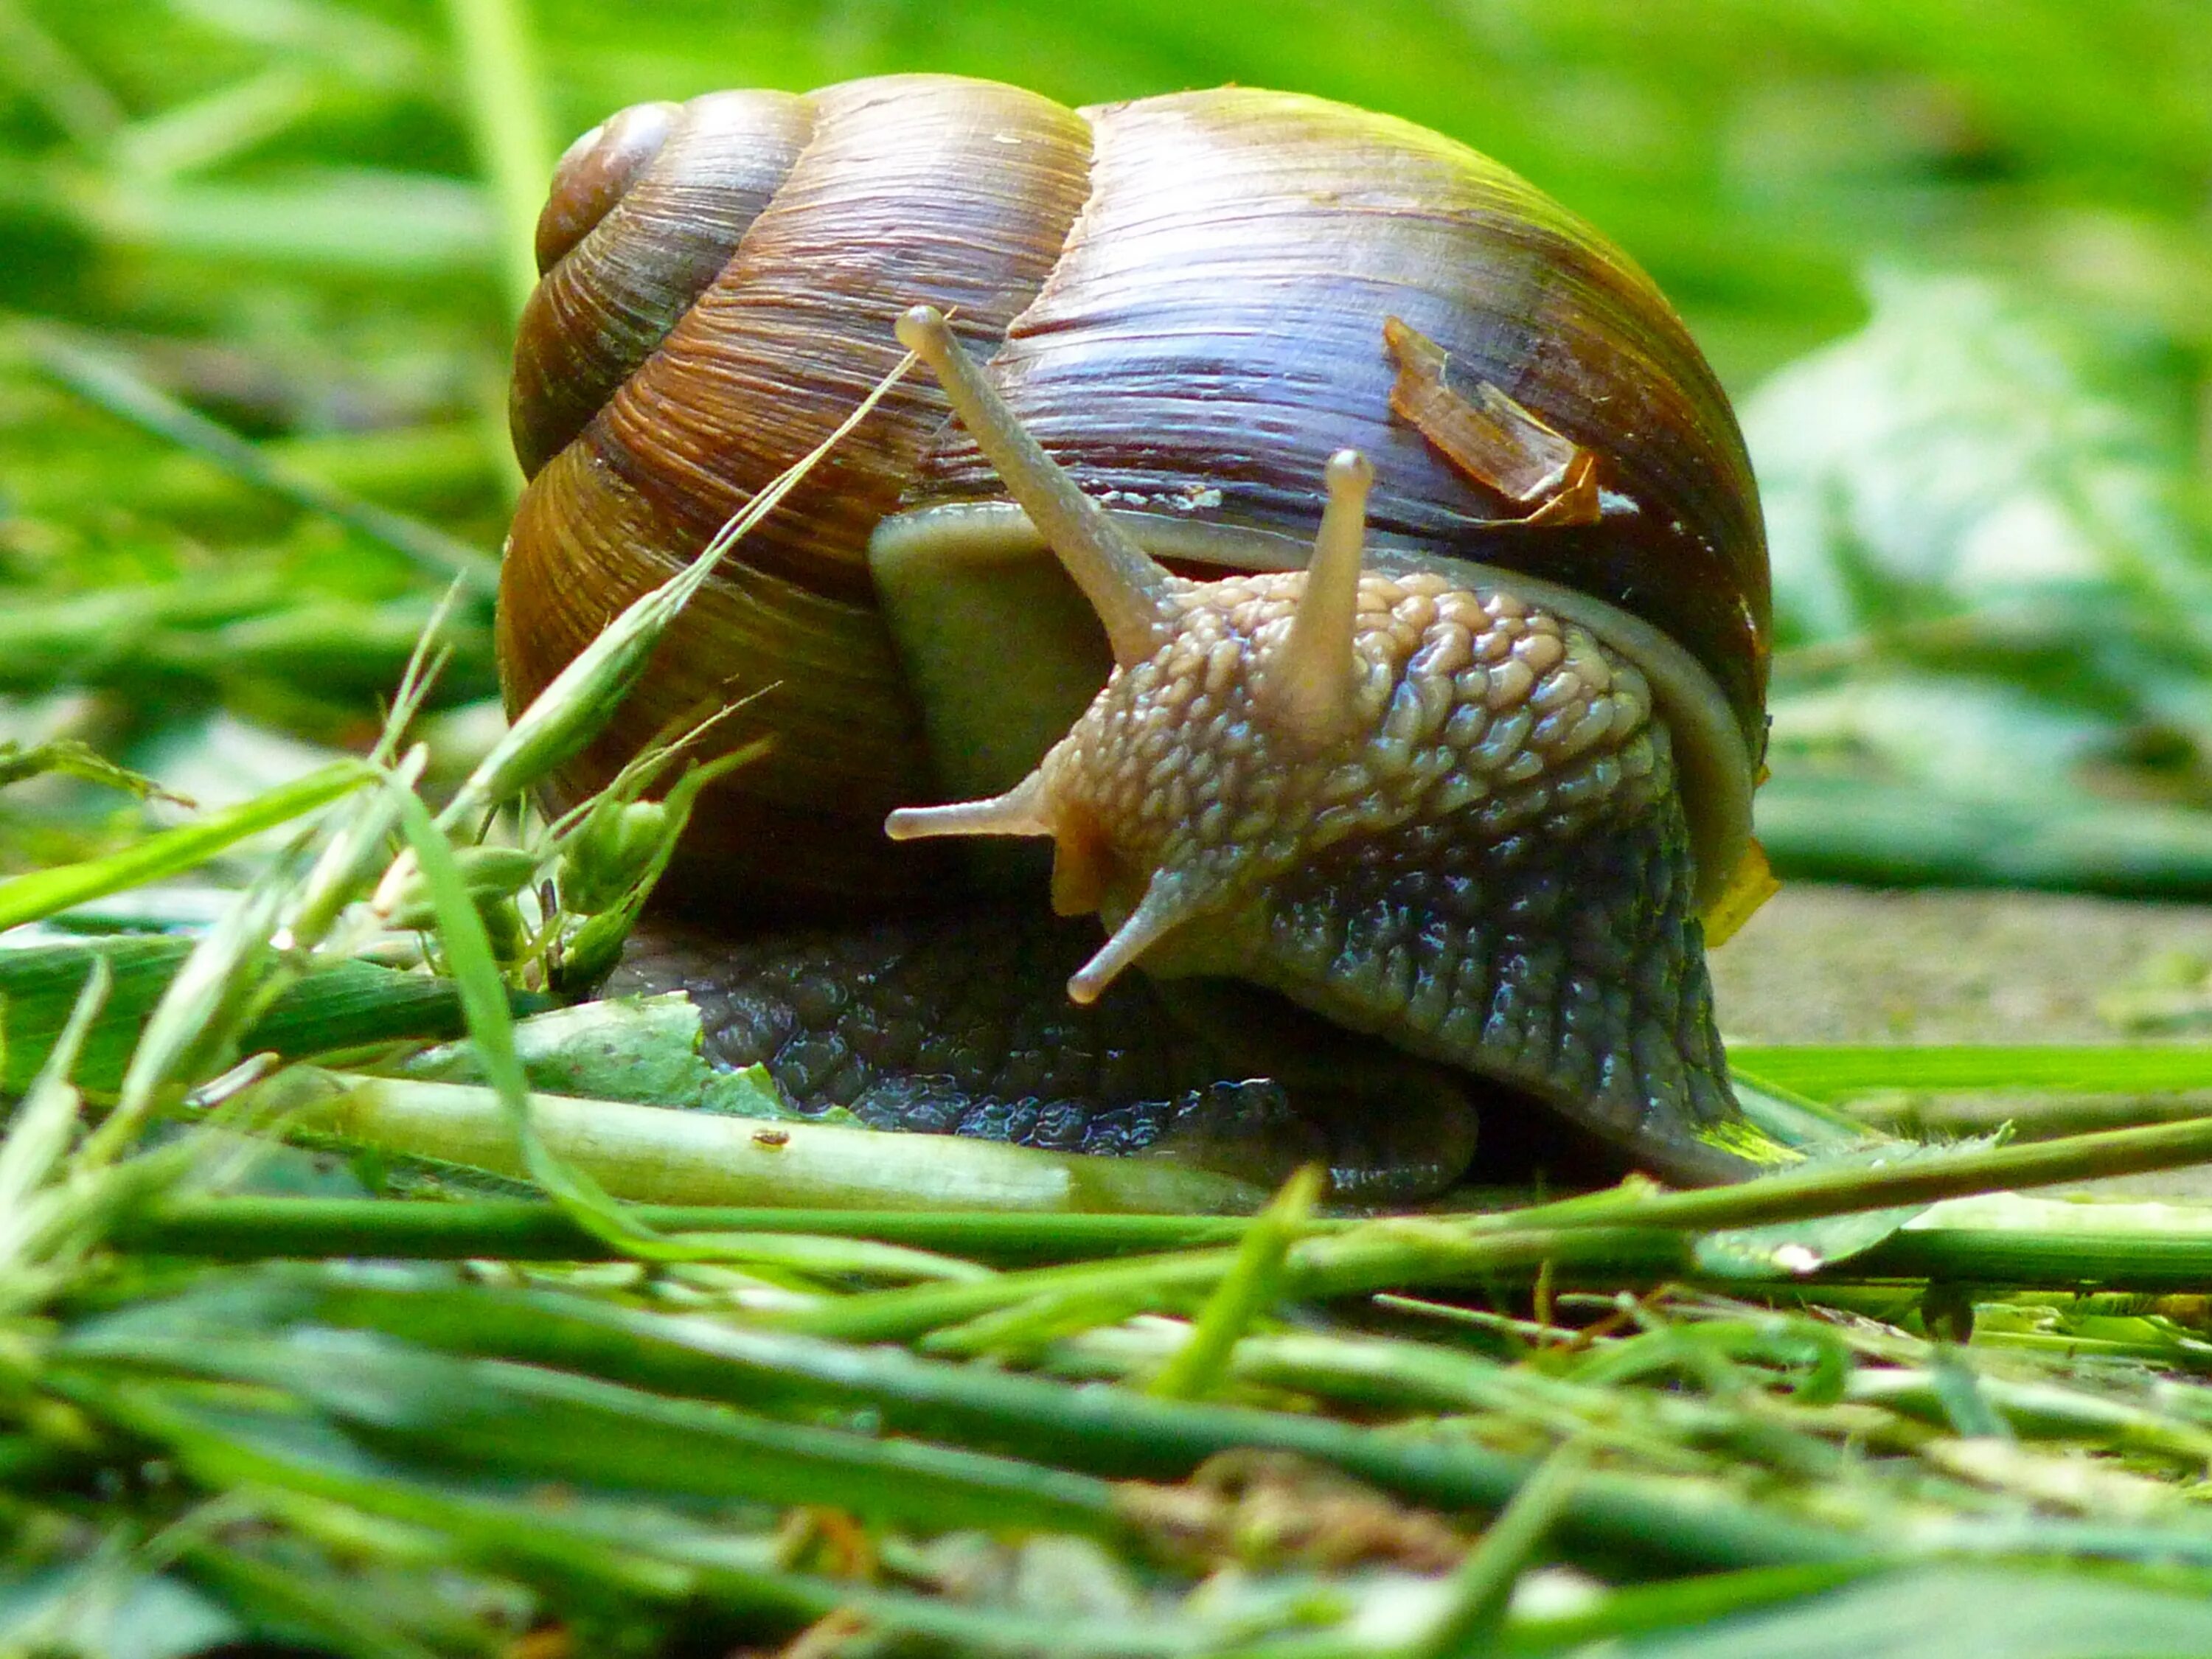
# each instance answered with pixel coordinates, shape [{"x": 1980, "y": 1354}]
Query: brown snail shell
[{"x": 1180, "y": 297}]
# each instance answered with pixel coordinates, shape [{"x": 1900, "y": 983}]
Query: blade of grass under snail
[
  {"x": 1831, "y": 1071},
  {"x": 2142, "y": 1259},
  {"x": 116, "y": 389},
  {"x": 1798, "y": 1195},
  {"x": 663, "y": 1155},
  {"x": 1808, "y": 1192},
  {"x": 1598, "y": 1229},
  {"x": 2148, "y": 1258},
  {"x": 256, "y": 1227}
]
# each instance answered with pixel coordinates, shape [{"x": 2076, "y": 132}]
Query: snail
[{"x": 1337, "y": 552}]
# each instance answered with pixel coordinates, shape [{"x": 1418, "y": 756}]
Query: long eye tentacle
[{"x": 1126, "y": 588}]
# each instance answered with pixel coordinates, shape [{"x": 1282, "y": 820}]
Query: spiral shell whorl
[
  {"x": 595, "y": 171},
  {"x": 645, "y": 212},
  {"x": 721, "y": 316}
]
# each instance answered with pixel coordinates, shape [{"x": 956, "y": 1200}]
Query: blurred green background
[{"x": 1953, "y": 257}]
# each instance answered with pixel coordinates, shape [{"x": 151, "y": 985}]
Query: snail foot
[{"x": 957, "y": 1023}]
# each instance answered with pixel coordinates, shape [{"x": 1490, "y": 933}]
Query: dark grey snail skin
[
  {"x": 1471, "y": 889},
  {"x": 957, "y": 1023}
]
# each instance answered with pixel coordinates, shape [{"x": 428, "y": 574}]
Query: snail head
[{"x": 1260, "y": 731}]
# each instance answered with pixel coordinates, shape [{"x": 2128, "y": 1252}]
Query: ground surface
[{"x": 1845, "y": 964}]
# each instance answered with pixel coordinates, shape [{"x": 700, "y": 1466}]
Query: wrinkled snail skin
[
  {"x": 1459, "y": 790},
  {"x": 957, "y": 1022}
]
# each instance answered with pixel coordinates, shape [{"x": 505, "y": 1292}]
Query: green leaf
[
  {"x": 103, "y": 1609},
  {"x": 1967, "y": 451},
  {"x": 1992, "y": 589},
  {"x": 642, "y": 1049},
  {"x": 1825, "y": 827}
]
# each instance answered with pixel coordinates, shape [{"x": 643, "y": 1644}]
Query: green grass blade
[
  {"x": 171, "y": 852},
  {"x": 662, "y": 1155},
  {"x": 1107, "y": 1432},
  {"x": 346, "y": 1006},
  {"x": 1832, "y": 1070},
  {"x": 254, "y": 1229},
  {"x": 506, "y": 111},
  {"x": 483, "y": 1002},
  {"x": 39, "y": 1130},
  {"x": 116, "y": 389},
  {"x": 1248, "y": 1290},
  {"x": 432, "y": 1411},
  {"x": 1483, "y": 1585},
  {"x": 669, "y": 1564}
]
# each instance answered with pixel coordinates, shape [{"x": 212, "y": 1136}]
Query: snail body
[{"x": 1462, "y": 787}]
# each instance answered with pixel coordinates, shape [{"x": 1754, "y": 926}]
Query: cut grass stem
[
  {"x": 258, "y": 1228},
  {"x": 669, "y": 1156}
]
